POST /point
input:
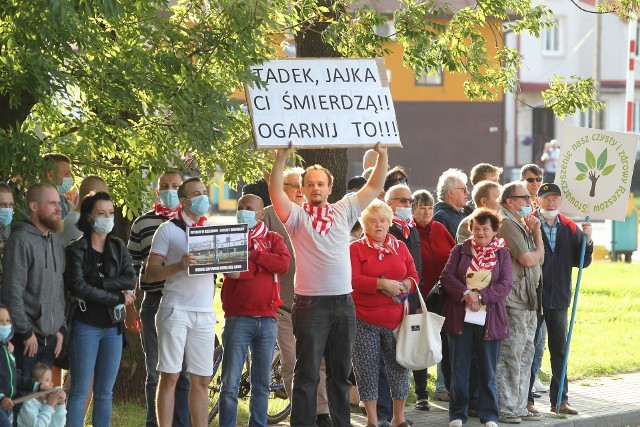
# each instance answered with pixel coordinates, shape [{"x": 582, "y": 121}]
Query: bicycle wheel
[
  {"x": 279, "y": 405},
  {"x": 216, "y": 382}
]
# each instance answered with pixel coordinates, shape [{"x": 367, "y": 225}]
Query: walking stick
[{"x": 563, "y": 374}]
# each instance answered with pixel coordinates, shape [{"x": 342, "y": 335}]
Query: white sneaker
[
  {"x": 540, "y": 388},
  {"x": 490, "y": 424},
  {"x": 455, "y": 423}
]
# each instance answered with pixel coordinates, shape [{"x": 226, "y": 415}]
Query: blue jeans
[
  {"x": 461, "y": 348},
  {"x": 384, "y": 405},
  {"x": 93, "y": 353},
  {"x": 322, "y": 325},
  {"x": 149, "y": 339},
  {"x": 239, "y": 334}
]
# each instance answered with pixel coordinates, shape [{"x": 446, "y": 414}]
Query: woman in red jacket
[
  {"x": 383, "y": 273},
  {"x": 435, "y": 245}
]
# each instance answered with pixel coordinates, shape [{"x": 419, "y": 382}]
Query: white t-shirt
[
  {"x": 323, "y": 263},
  {"x": 191, "y": 293}
]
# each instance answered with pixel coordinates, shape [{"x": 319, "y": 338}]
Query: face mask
[
  {"x": 403, "y": 213},
  {"x": 169, "y": 198},
  {"x": 67, "y": 183},
  {"x": 103, "y": 225},
  {"x": 247, "y": 217},
  {"x": 549, "y": 214},
  {"x": 524, "y": 211},
  {"x": 5, "y": 332},
  {"x": 200, "y": 205},
  {"x": 6, "y": 216}
]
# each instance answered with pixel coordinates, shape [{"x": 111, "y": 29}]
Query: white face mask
[
  {"x": 403, "y": 213},
  {"x": 549, "y": 214}
]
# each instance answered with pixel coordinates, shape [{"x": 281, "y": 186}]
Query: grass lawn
[{"x": 606, "y": 336}]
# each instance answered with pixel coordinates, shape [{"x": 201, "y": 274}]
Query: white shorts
[{"x": 185, "y": 333}]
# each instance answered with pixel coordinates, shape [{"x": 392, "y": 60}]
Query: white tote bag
[{"x": 418, "y": 343}]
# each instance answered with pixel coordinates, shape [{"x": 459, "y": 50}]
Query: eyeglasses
[
  {"x": 292, "y": 185},
  {"x": 527, "y": 197},
  {"x": 401, "y": 179},
  {"x": 405, "y": 200},
  {"x": 537, "y": 179},
  {"x": 465, "y": 189}
]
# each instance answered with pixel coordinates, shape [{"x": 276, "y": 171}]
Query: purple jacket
[{"x": 454, "y": 284}]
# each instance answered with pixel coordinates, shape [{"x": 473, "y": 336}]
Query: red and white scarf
[
  {"x": 322, "y": 217},
  {"x": 188, "y": 221},
  {"x": 389, "y": 246},
  {"x": 162, "y": 210},
  {"x": 405, "y": 225},
  {"x": 484, "y": 257},
  {"x": 257, "y": 234}
]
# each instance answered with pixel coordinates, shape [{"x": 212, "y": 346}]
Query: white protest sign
[
  {"x": 322, "y": 103},
  {"x": 594, "y": 172}
]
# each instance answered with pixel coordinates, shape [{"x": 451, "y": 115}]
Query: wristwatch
[{"x": 480, "y": 298}]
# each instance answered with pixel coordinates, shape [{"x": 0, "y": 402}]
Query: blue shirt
[{"x": 551, "y": 231}]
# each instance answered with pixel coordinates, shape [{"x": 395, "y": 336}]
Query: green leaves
[
  {"x": 592, "y": 164},
  {"x": 591, "y": 160},
  {"x": 582, "y": 167},
  {"x": 606, "y": 171}
]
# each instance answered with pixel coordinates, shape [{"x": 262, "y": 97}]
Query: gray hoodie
[{"x": 32, "y": 284}]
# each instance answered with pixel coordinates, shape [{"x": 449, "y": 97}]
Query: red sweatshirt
[
  {"x": 252, "y": 293},
  {"x": 435, "y": 245},
  {"x": 372, "y": 306}
]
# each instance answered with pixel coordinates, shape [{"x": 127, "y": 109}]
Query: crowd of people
[{"x": 325, "y": 281}]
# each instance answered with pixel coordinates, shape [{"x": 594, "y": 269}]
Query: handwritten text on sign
[{"x": 322, "y": 103}]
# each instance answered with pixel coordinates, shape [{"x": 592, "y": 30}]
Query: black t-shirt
[{"x": 96, "y": 314}]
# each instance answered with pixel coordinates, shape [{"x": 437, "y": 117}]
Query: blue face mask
[
  {"x": 6, "y": 216},
  {"x": 246, "y": 217},
  {"x": 200, "y": 205},
  {"x": 403, "y": 213},
  {"x": 103, "y": 225},
  {"x": 67, "y": 183},
  {"x": 524, "y": 211},
  {"x": 169, "y": 198},
  {"x": 5, "y": 332}
]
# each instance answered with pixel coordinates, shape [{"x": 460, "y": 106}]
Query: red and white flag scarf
[
  {"x": 405, "y": 225},
  {"x": 162, "y": 210},
  {"x": 389, "y": 246},
  {"x": 258, "y": 242},
  {"x": 322, "y": 217},
  {"x": 484, "y": 257},
  {"x": 187, "y": 221},
  {"x": 257, "y": 236}
]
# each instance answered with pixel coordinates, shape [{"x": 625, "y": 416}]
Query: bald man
[{"x": 250, "y": 301}]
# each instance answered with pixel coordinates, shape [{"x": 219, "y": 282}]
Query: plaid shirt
[{"x": 551, "y": 231}]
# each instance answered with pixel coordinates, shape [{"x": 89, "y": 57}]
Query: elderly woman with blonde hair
[{"x": 383, "y": 274}]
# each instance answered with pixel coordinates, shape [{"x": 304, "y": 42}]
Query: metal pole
[{"x": 563, "y": 374}]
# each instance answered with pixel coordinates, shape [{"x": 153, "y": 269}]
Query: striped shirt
[
  {"x": 551, "y": 231},
  {"x": 142, "y": 231}
]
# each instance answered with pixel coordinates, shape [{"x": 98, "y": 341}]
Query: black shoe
[
  {"x": 536, "y": 395},
  {"x": 323, "y": 420},
  {"x": 423, "y": 405}
]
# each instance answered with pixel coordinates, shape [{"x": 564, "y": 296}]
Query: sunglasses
[
  {"x": 296, "y": 186},
  {"x": 521, "y": 197},
  {"x": 538, "y": 179},
  {"x": 401, "y": 179},
  {"x": 404, "y": 200}
]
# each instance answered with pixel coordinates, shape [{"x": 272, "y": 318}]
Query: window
[
  {"x": 636, "y": 117},
  {"x": 637, "y": 39},
  {"x": 388, "y": 29},
  {"x": 430, "y": 79},
  {"x": 585, "y": 119},
  {"x": 552, "y": 38}
]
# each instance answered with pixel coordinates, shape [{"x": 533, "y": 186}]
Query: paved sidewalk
[{"x": 602, "y": 402}]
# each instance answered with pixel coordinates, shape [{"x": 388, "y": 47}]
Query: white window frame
[
  {"x": 425, "y": 79},
  {"x": 552, "y": 38},
  {"x": 584, "y": 119}
]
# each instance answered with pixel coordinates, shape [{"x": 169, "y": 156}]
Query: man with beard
[
  {"x": 32, "y": 284},
  {"x": 323, "y": 312}
]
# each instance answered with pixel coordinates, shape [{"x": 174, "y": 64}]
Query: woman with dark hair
[
  {"x": 98, "y": 274},
  {"x": 477, "y": 280}
]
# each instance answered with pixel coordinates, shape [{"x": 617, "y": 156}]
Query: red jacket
[
  {"x": 372, "y": 306},
  {"x": 252, "y": 294},
  {"x": 435, "y": 245}
]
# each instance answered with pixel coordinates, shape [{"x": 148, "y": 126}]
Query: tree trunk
[
  {"x": 129, "y": 386},
  {"x": 309, "y": 44},
  {"x": 11, "y": 117}
]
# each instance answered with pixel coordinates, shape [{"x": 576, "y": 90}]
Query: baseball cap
[{"x": 550, "y": 188}]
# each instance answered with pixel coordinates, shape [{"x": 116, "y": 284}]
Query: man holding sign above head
[
  {"x": 323, "y": 310},
  {"x": 185, "y": 321},
  {"x": 562, "y": 245}
]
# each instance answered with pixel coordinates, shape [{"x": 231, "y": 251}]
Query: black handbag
[{"x": 435, "y": 299}]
